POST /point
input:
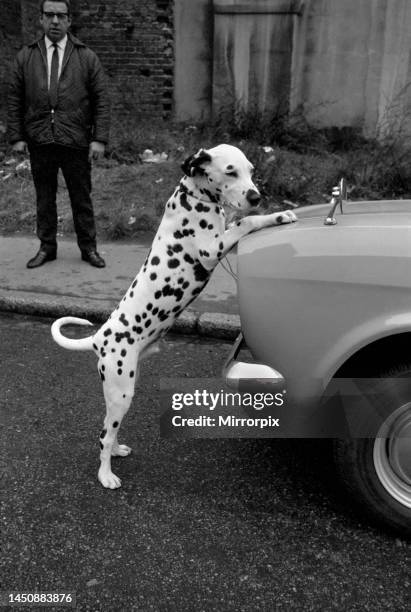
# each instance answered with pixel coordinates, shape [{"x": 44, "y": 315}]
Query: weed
[
  {"x": 279, "y": 128},
  {"x": 380, "y": 167},
  {"x": 294, "y": 162}
]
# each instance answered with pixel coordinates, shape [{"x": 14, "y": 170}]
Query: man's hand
[
  {"x": 20, "y": 147},
  {"x": 96, "y": 150}
]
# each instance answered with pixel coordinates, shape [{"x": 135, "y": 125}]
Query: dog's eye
[{"x": 232, "y": 173}]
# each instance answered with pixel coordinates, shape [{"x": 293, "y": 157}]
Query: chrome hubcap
[{"x": 392, "y": 455}]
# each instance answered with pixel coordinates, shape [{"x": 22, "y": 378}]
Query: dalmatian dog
[{"x": 191, "y": 239}]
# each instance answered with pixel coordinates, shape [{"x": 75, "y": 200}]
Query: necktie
[{"x": 54, "y": 77}]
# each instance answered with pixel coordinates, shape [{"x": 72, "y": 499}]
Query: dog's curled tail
[{"x": 79, "y": 344}]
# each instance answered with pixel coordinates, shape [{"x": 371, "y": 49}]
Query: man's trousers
[{"x": 46, "y": 160}]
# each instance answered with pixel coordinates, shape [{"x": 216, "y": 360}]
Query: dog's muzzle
[{"x": 253, "y": 197}]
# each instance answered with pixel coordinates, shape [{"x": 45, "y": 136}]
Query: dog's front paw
[
  {"x": 109, "y": 480},
  {"x": 121, "y": 450},
  {"x": 287, "y": 216}
]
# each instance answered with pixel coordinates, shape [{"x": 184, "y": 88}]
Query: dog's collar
[
  {"x": 208, "y": 202},
  {"x": 197, "y": 198}
]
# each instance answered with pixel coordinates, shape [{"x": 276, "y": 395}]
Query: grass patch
[{"x": 294, "y": 162}]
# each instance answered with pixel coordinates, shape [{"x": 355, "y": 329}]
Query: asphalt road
[{"x": 238, "y": 525}]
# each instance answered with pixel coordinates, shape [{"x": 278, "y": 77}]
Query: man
[{"x": 59, "y": 110}]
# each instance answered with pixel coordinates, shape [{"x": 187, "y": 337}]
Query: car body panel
[{"x": 312, "y": 295}]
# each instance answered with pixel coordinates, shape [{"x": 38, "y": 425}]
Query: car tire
[{"x": 377, "y": 470}]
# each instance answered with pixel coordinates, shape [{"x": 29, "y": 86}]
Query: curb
[{"x": 209, "y": 324}]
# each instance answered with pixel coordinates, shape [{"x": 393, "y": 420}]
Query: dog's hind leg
[
  {"x": 118, "y": 397},
  {"x": 117, "y": 405}
]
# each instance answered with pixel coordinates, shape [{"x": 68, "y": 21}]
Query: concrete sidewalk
[{"x": 69, "y": 286}]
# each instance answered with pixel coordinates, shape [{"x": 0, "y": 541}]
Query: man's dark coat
[{"x": 82, "y": 111}]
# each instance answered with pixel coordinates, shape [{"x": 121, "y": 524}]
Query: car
[{"x": 325, "y": 304}]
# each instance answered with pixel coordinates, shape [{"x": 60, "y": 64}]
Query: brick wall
[
  {"x": 133, "y": 38},
  {"x": 10, "y": 41},
  {"x": 31, "y": 28}
]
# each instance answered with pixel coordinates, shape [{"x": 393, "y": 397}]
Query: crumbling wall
[
  {"x": 134, "y": 40},
  {"x": 10, "y": 41}
]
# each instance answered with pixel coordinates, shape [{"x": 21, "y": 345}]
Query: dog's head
[{"x": 225, "y": 172}]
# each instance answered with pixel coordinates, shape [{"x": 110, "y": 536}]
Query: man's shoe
[
  {"x": 40, "y": 258},
  {"x": 93, "y": 258}
]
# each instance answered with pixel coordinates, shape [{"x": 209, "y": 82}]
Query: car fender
[{"x": 359, "y": 337}]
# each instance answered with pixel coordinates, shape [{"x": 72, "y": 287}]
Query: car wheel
[{"x": 377, "y": 471}]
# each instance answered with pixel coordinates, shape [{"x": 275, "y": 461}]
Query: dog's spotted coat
[{"x": 190, "y": 241}]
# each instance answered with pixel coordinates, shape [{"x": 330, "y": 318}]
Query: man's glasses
[{"x": 60, "y": 16}]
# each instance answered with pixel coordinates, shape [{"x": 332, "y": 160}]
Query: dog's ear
[{"x": 193, "y": 164}]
